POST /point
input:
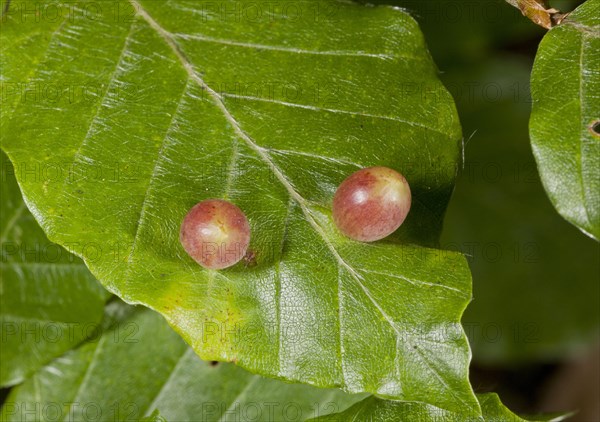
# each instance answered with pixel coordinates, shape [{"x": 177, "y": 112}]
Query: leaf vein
[
  {"x": 241, "y": 394},
  {"x": 35, "y": 68},
  {"x": 339, "y": 53},
  {"x": 88, "y": 372},
  {"x": 263, "y": 154},
  {"x": 11, "y": 223},
  {"x": 104, "y": 96},
  {"x": 158, "y": 160},
  {"x": 415, "y": 282},
  {"x": 434, "y": 370},
  {"x": 168, "y": 381},
  {"x": 330, "y": 110}
]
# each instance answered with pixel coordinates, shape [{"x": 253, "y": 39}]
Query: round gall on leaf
[
  {"x": 215, "y": 233},
  {"x": 371, "y": 204}
]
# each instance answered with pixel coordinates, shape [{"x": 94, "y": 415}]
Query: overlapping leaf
[
  {"x": 139, "y": 367},
  {"x": 376, "y": 410},
  {"x": 565, "y": 120},
  {"x": 270, "y": 106},
  {"x": 49, "y": 301}
]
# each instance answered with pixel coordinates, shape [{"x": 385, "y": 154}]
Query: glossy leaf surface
[
  {"x": 138, "y": 367},
  {"x": 49, "y": 301},
  {"x": 565, "y": 119},
  {"x": 373, "y": 409},
  {"x": 165, "y": 105}
]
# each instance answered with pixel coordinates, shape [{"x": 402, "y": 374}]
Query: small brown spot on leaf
[
  {"x": 213, "y": 363},
  {"x": 250, "y": 258}
]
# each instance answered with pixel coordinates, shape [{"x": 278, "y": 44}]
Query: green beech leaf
[
  {"x": 165, "y": 105},
  {"x": 49, "y": 301},
  {"x": 565, "y": 119},
  {"x": 373, "y": 409},
  {"x": 139, "y": 365}
]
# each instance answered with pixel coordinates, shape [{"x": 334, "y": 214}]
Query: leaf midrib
[{"x": 263, "y": 154}]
